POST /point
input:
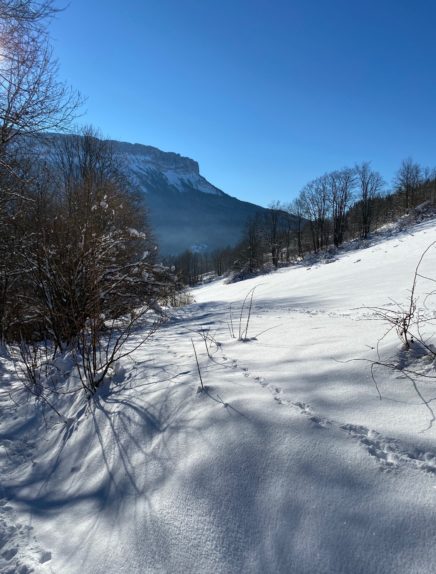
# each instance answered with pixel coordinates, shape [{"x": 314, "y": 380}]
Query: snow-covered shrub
[
  {"x": 98, "y": 353},
  {"x": 83, "y": 258}
]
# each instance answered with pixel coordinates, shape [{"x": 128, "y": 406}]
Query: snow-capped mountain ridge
[{"x": 147, "y": 162}]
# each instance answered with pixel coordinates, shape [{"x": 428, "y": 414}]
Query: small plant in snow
[
  {"x": 410, "y": 322},
  {"x": 202, "y": 387},
  {"x": 244, "y": 317},
  {"x": 415, "y": 326},
  {"x": 244, "y": 322}
]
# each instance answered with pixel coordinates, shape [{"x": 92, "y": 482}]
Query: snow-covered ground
[{"x": 289, "y": 462}]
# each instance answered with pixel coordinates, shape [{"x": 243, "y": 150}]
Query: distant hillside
[{"x": 186, "y": 211}]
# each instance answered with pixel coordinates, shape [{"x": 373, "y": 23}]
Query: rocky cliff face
[{"x": 146, "y": 164}]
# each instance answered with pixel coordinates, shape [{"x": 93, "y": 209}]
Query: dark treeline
[
  {"x": 336, "y": 207},
  {"x": 76, "y": 248}
]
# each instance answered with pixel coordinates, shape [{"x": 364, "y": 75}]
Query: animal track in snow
[
  {"x": 19, "y": 551},
  {"x": 302, "y": 408},
  {"x": 306, "y": 410},
  {"x": 389, "y": 452}
]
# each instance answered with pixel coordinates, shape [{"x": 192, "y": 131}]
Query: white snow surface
[{"x": 289, "y": 462}]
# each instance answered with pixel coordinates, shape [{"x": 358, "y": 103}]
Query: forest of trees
[{"x": 338, "y": 206}]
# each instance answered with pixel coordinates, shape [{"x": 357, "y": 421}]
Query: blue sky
[{"x": 264, "y": 94}]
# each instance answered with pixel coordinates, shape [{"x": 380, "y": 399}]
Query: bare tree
[
  {"x": 407, "y": 180},
  {"x": 341, "y": 185},
  {"x": 26, "y": 13},
  {"x": 296, "y": 209},
  {"x": 287, "y": 232},
  {"x": 254, "y": 244},
  {"x": 13, "y": 204},
  {"x": 314, "y": 205},
  {"x": 85, "y": 248},
  {"x": 190, "y": 267},
  {"x": 222, "y": 259},
  {"x": 249, "y": 253},
  {"x": 428, "y": 185},
  {"x": 32, "y": 99},
  {"x": 272, "y": 230},
  {"x": 369, "y": 184}
]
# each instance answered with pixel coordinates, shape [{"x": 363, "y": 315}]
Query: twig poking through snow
[{"x": 198, "y": 365}]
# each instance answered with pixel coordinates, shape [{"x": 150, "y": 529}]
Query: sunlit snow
[{"x": 289, "y": 462}]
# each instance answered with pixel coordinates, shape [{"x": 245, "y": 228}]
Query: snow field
[{"x": 288, "y": 462}]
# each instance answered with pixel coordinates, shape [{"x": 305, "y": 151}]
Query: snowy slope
[{"x": 289, "y": 462}]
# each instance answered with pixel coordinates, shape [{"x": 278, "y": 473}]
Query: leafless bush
[
  {"x": 82, "y": 249},
  {"x": 84, "y": 273},
  {"x": 36, "y": 369},
  {"x": 33, "y": 364},
  {"x": 411, "y": 321},
  {"x": 415, "y": 326},
  {"x": 94, "y": 359},
  {"x": 99, "y": 351}
]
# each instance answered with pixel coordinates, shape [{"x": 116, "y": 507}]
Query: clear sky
[{"x": 264, "y": 94}]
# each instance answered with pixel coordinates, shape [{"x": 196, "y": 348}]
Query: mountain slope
[{"x": 186, "y": 211}]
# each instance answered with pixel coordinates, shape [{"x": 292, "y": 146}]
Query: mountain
[{"x": 186, "y": 211}]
